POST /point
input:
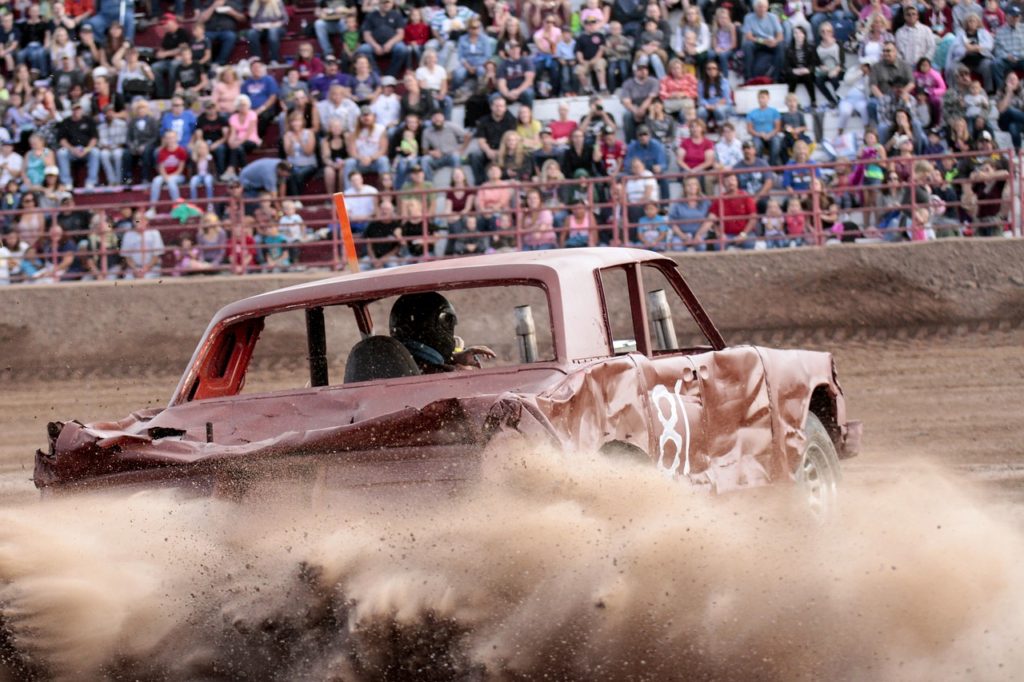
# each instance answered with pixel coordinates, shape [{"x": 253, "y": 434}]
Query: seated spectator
[
  {"x": 653, "y": 229},
  {"x": 8, "y": 42},
  {"x": 797, "y": 176},
  {"x": 338, "y": 106},
  {"x": 386, "y": 233},
  {"x": 364, "y": 83},
  {"x": 388, "y": 105},
  {"x": 360, "y": 201},
  {"x": 142, "y": 140},
  {"x": 764, "y": 125},
  {"x": 514, "y": 159},
  {"x": 37, "y": 159},
  {"x": 171, "y": 160},
  {"x": 262, "y": 91},
  {"x": 618, "y": 54},
  {"x": 367, "y": 145},
  {"x": 32, "y": 222},
  {"x": 973, "y": 49},
  {"x": 201, "y": 47},
  {"x": 762, "y": 34},
  {"x": 723, "y": 39},
  {"x": 473, "y": 50},
  {"x": 678, "y": 92},
  {"x": 78, "y": 137},
  {"x": 211, "y": 239},
  {"x": 417, "y": 33},
  {"x": 134, "y": 77},
  {"x": 468, "y": 239},
  {"x": 433, "y": 80},
  {"x": 308, "y": 65},
  {"x": 735, "y": 212},
  {"x": 416, "y": 207},
  {"x": 794, "y": 125},
  {"x": 489, "y": 132},
  {"x": 728, "y": 149},
  {"x": 688, "y": 217},
  {"x": 538, "y": 227},
  {"x": 652, "y": 44},
  {"x": 113, "y": 136},
  {"x": 494, "y": 198},
  {"x": 753, "y": 175},
  {"x": 714, "y": 96},
  {"x": 661, "y": 126},
  {"x": 330, "y": 20},
  {"x": 443, "y": 145},
  {"x": 288, "y": 89},
  {"x": 223, "y": 20},
  {"x": 651, "y": 152},
  {"x": 176, "y": 41},
  {"x": 103, "y": 96},
  {"x": 580, "y": 156},
  {"x": 641, "y": 188},
  {"x": 203, "y": 171},
  {"x": 190, "y": 80},
  {"x": 267, "y": 21},
  {"x": 226, "y": 90},
  {"x": 179, "y": 119},
  {"x": 243, "y": 137},
  {"x": 383, "y": 33},
  {"x": 516, "y": 76},
  {"x": 99, "y": 250},
  {"x": 696, "y": 153},
  {"x": 548, "y": 151},
  {"x": 65, "y": 75},
  {"x": 460, "y": 196},
  {"x": 213, "y": 129},
  {"x": 611, "y": 153},
  {"x": 637, "y": 94},
  {"x": 831, "y": 59},
  {"x": 57, "y": 255},
  {"x": 33, "y": 36},
  {"x": 142, "y": 248},
  {"x": 333, "y": 153},
  {"x": 562, "y": 127},
  {"x": 300, "y": 151}
]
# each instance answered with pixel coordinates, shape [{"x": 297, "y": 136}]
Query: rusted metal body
[{"x": 725, "y": 417}]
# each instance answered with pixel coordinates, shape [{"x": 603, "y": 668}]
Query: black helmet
[{"x": 427, "y": 318}]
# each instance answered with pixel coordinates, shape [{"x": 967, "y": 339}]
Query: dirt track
[{"x": 928, "y": 342}]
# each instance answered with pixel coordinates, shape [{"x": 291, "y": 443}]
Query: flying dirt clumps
[{"x": 550, "y": 566}]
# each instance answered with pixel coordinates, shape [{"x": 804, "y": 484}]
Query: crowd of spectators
[{"x": 362, "y": 99}]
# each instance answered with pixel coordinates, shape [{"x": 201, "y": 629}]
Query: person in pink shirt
[{"x": 242, "y": 136}]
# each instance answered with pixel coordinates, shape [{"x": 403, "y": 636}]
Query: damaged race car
[{"x": 362, "y": 380}]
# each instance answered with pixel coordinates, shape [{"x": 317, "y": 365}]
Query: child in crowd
[
  {"x": 796, "y": 222},
  {"x": 794, "y": 124},
  {"x": 993, "y": 16},
  {"x": 653, "y": 228},
  {"x": 935, "y": 144},
  {"x": 565, "y": 54},
  {"x": 592, "y": 10},
  {"x": 351, "y": 39},
  {"x": 977, "y": 106},
  {"x": 293, "y": 227},
  {"x": 618, "y": 52},
  {"x": 773, "y": 224},
  {"x": 409, "y": 147},
  {"x": 275, "y": 255},
  {"x": 202, "y": 161}
]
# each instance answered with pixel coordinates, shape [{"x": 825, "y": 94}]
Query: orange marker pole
[{"x": 348, "y": 242}]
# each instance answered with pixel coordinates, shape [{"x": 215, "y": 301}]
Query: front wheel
[{"x": 817, "y": 473}]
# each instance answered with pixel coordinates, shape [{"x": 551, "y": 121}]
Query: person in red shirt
[
  {"x": 563, "y": 127},
  {"x": 736, "y": 212},
  {"x": 612, "y": 151},
  {"x": 170, "y": 164},
  {"x": 417, "y": 33},
  {"x": 696, "y": 152},
  {"x": 307, "y": 63}
]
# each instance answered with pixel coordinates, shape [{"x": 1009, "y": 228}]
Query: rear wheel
[{"x": 817, "y": 472}]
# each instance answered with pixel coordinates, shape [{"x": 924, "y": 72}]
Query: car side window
[
  {"x": 615, "y": 285},
  {"x": 672, "y": 326}
]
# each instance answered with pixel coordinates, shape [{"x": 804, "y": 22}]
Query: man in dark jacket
[{"x": 78, "y": 137}]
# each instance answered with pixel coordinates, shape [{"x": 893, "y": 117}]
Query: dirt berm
[{"x": 785, "y": 296}]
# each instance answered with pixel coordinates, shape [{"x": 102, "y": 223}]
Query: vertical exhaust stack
[
  {"x": 526, "y": 334},
  {"x": 661, "y": 319}
]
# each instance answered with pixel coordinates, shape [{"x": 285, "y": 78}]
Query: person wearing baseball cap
[
  {"x": 636, "y": 95},
  {"x": 1009, "y": 45}
]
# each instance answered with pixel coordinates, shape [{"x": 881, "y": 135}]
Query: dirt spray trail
[{"x": 550, "y": 567}]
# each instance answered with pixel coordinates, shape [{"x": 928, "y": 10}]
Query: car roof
[{"x": 567, "y": 274}]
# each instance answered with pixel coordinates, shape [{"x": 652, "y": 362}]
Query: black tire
[{"x": 817, "y": 472}]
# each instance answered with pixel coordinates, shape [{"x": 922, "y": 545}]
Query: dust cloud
[{"x": 549, "y": 567}]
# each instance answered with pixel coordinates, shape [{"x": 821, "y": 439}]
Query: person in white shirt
[
  {"x": 142, "y": 248},
  {"x": 433, "y": 81},
  {"x": 388, "y": 105},
  {"x": 360, "y": 201},
  {"x": 337, "y": 106},
  {"x": 11, "y": 164},
  {"x": 728, "y": 149}
]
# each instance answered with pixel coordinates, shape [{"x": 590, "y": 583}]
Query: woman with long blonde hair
[{"x": 515, "y": 162}]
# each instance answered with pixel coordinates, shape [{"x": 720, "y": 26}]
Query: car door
[{"x": 669, "y": 380}]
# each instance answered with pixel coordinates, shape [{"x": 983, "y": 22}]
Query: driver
[{"x": 425, "y": 324}]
